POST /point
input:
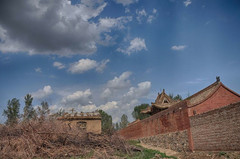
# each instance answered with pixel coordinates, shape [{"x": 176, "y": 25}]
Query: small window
[
  {"x": 82, "y": 125},
  {"x": 165, "y": 101}
]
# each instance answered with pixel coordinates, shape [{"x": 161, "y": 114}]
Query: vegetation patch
[{"x": 145, "y": 153}]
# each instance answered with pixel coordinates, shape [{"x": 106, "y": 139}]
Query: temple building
[
  {"x": 212, "y": 97},
  {"x": 162, "y": 102}
]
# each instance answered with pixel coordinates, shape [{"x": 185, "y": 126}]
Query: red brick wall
[
  {"x": 170, "y": 120},
  {"x": 217, "y": 130},
  {"x": 220, "y": 98}
]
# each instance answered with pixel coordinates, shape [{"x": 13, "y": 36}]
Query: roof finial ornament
[
  {"x": 218, "y": 78},
  {"x": 163, "y": 90}
]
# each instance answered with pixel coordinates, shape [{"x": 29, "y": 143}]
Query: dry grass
[{"x": 52, "y": 139}]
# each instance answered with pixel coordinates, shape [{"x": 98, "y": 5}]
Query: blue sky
[{"x": 114, "y": 55}]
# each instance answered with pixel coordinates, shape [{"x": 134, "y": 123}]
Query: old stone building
[{"x": 88, "y": 121}]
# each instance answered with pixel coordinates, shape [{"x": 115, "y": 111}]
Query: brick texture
[
  {"x": 217, "y": 130},
  {"x": 171, "y": 120}
]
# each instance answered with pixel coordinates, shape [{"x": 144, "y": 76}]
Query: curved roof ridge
[
  {"x": 230, "y": 89},
  {"x": 203, "y": 95}
]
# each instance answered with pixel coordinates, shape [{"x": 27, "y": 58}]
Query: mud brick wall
[
  {"x": 177, "y": 141},
  {"x": 171, "y": 120},
  {"x": 217, "y": 130}
]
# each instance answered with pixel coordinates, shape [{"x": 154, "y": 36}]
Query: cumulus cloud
[
  {"x": 108, "y": 106},
  {"x": 58, "y": 65},
  {"x": 187, "y": 3},
  {"x": 78, "y": 98},
  {"x": 53, "y": 27},
  {"x": 42, "y": 93},
  {"x": 120, "y": 82},
  {"x": 138, "y": 92},
  {"x": 132, "y": 98},
  {"x": 137, "y": 44},
  {"x": 178, "y": 47},
  {"x": 106, "y": 93},
  {"x": 115, "y": 86},
  {"x": 126, "y": 2},
  {"x": 84, "y": 65}
]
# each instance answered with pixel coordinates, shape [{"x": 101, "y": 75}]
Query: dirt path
[{"x": 166, "y": 151}]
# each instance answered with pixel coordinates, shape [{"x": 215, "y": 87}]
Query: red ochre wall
[
  {"x": 213, "y": 117},
  {"x": 220, "y": 98},
  {"x": 171, "y": 120}
]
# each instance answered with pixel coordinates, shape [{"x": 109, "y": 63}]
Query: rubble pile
[{"x": 53, "y": 139}]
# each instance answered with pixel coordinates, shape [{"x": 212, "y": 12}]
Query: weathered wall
[
  {"x": 220, "y": 98},
  {"x": 177, "y": 141},
  {"x": 217, "y": 130},
  {"x": 170, "y": 120},
  {"x": 93, "y": 126}
]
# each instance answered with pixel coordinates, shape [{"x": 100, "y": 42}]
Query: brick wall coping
[{"x": 216, "y": 110}]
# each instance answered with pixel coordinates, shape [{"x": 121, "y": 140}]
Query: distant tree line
[
  {"x": 42, "y": 113},
  {"x": 29, "y": 113}
]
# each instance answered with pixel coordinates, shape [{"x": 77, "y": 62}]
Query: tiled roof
[
  {"x": 76, "y": 116},
  {"x": 191, "y": 101},
  {"x": 165, "y": 105},
  {"x": 146, "y": 110},
  {"x": 206, "y": 93}
]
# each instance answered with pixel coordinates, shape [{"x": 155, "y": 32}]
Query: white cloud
[
  {"x": 38, "y": 69},
  {"x": 55, "y": 108},
  {"x": 42, "y": 93},
  {"x": 178, "y": 47},
  {"x": 127, "y": 10},
  {"x": 140, "y": 15},
  {"x": 141, "y": 91},
  {"x": 106, "y": 93},
  {"x": 84, "y": 65},
  {"x": 187, "y": 2},
  {"x": 132, "y": 98},
  {"x": 78, "y": 98},
  {"x": 116, "y": 86},
  {"x": 143, "y": 15},
  {"x": 105, "y": 24},
  {"x": 150, "y": 18},
  {"x": 154, "y": 11},
  {"x": 88, "y": 108},
  {"x": 153, "y": 16},
  {"x": 58, "y": 65},
  {"x": 108, "y": 106},
  {"x": 101, "y": 66},
  {"x": 120, "y": 82},
  {"x": 137, "y": 44},
  {"x": 126, "y": 2}
]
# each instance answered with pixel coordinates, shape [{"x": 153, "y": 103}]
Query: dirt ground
[{"x": 197, "y": 154}]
